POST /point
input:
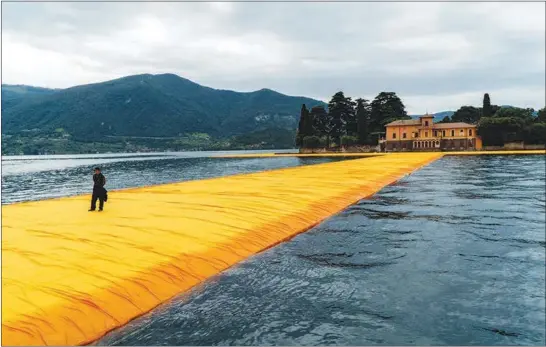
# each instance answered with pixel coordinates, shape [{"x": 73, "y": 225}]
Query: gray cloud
[{"x": 436, "y": 56}]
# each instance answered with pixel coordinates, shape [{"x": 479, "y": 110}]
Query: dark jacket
[{"x": 99, "y": 181}]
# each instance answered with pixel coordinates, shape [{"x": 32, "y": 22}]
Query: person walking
[{"x": 99, "y": 192}]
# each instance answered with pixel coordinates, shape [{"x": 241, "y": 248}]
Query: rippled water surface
[
  {"x": 41, "y": 177},
  {"x": 451, "y": 255}
]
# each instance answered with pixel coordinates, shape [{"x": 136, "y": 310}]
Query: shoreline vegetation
[
  {"x": 28, "y": 144},
  {"x": 357, "y": 126}
]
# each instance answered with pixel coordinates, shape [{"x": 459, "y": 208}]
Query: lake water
[
  {"x": 452, "y": 255},
  {"x": 40, "y": 177}
]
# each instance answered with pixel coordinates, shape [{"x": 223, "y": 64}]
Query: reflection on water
[
  {"x": 33, "y": 178},
  {"x": 453, "y": 255}
]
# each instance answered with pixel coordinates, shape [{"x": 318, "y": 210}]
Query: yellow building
[{"x": 424, "y": 135}]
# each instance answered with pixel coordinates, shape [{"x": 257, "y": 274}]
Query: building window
[
  {"x": 426, "y": 123},
  {"x": 461, "y": 131},
  {"x": 404, "y": 135},
  {"x": 416, "y": 135},
  {"x": 435, "y": 133},
  {"x": 452, "y": 132},
  {"x": 426, "y": 133},
  {"x": 469, "y": 132},
  {"x": 443, "y": 133},
  {"x": 393, "y": 135}
]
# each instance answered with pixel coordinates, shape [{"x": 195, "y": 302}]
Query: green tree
[
  {"x": 351, "y": 127},
  {"x": 341, "y": 111},
  {"x": 541, "y": 115},
  {"x": 511, "y": 124},
  {"x": 321, "y": 123},
  {"x": 386, "y": 107},
  {"x": 467, "y": 114},
  {"x": 347, "y": 141},
  {"x": 304, "y": 126},
  {"x": 535, "y": 134},
  {"x": 300, "y": 131},
  {"x": 496, "y": 131},
  {"x": 446, "y": 119},
  {"x": 363, "y": 113},
  {"x": 311, "y": 142},
  {"x": 308, "y": 124},
  {"x": 494, "y": 109},
  {"x": 487, "y": 110},
  {"x": 526, "y": 114}
]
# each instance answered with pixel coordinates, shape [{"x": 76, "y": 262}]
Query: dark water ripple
[{"x": 453, "y": 255}]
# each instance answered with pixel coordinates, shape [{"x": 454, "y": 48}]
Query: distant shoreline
[{"x": 374, "y": 151}]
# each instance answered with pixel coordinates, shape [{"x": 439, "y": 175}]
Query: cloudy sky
[{"x": 436, "y": 56}]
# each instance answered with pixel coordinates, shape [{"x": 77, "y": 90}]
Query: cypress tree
[
  {"x": 363, "y": 112},
  {"x": 301, "y": 126},
  {"x": 487, "y": 110},
  {"x": 307, "y": 123}
]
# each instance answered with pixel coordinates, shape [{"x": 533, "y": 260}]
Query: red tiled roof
[
  {"x": 407, "y": 122},
  {"x": 404, "y": 122},
  {"x": 453, "y": 125}
]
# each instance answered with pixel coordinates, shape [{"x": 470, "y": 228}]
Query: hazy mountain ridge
[
  {"x": 147, "y": 105},
  {"x": 12, "y": 94}
]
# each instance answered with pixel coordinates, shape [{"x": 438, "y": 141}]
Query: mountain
[
  {"x": 13, "y": 94},
  {"x": 164, "y": 105},
  {"x": 15, "y": 91}
]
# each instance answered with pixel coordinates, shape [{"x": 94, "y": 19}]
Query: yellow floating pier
[{"x": 70, "y": 276}]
